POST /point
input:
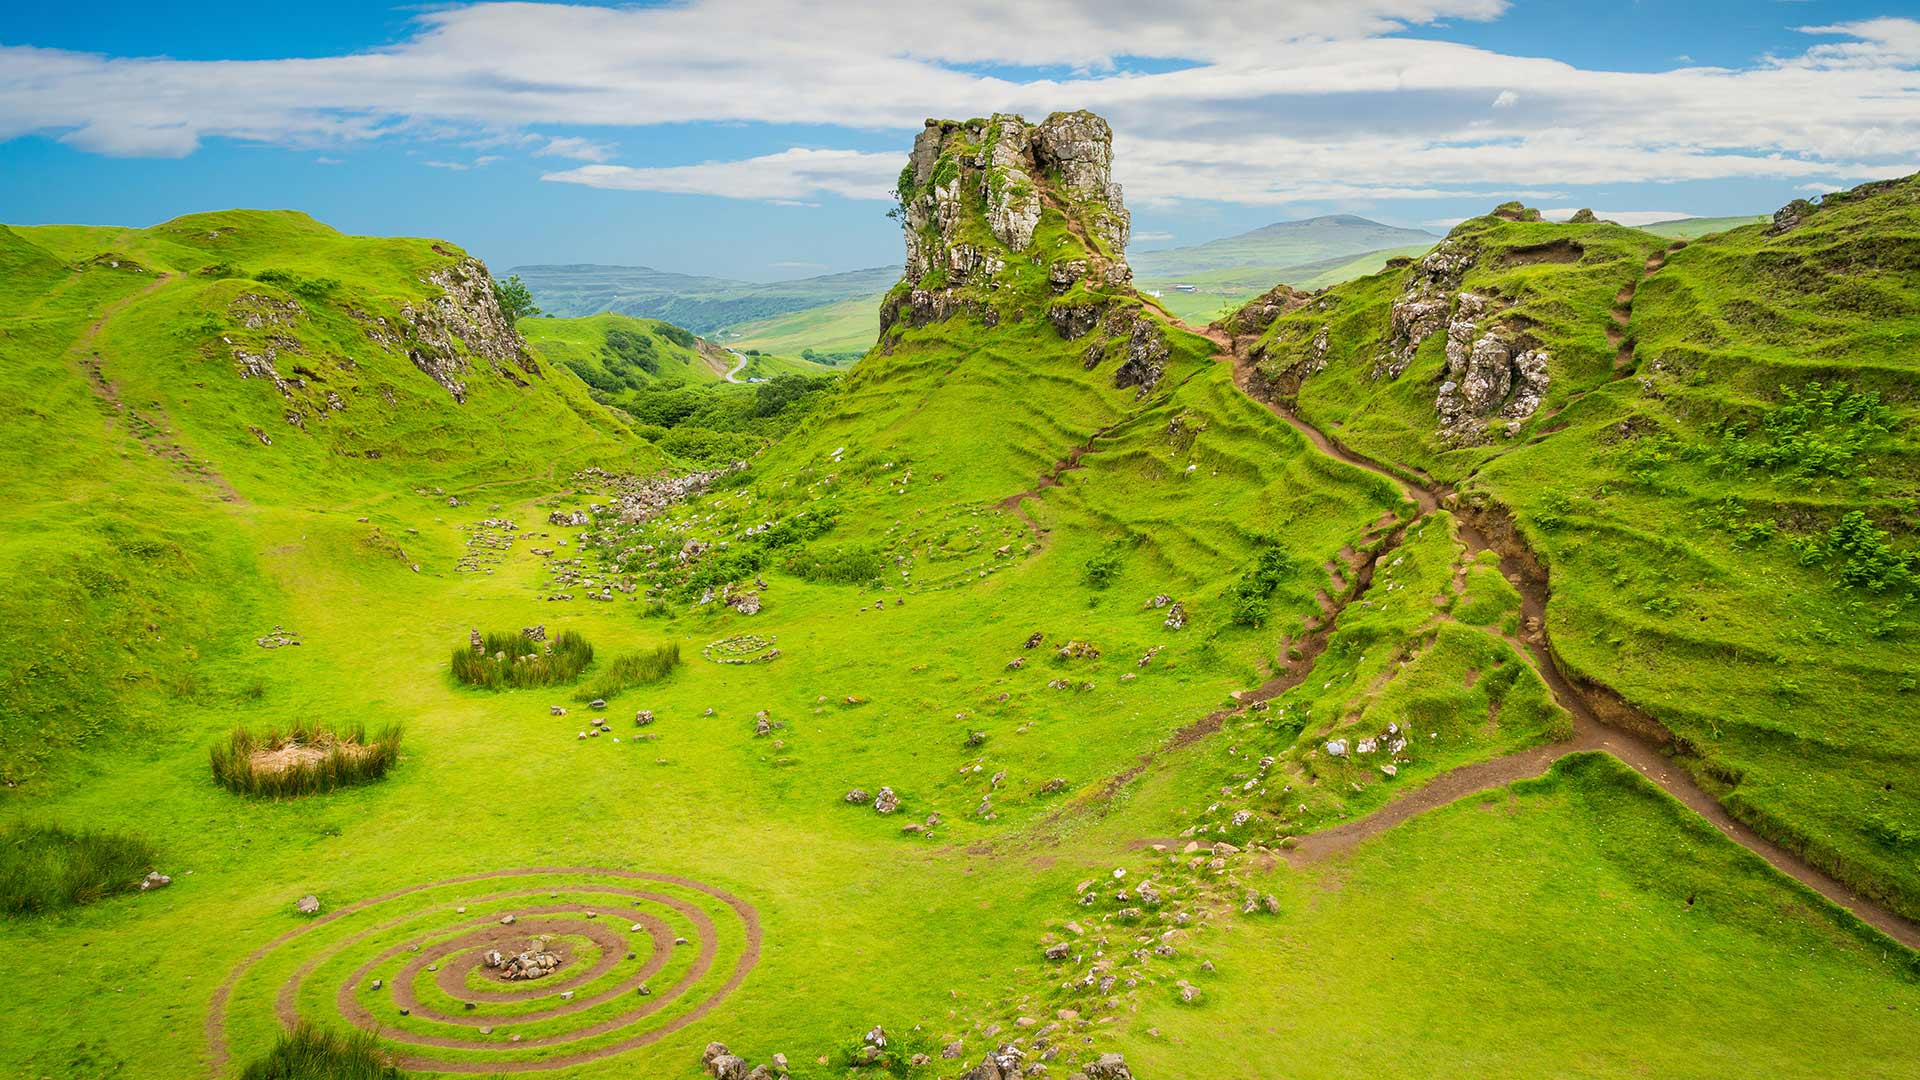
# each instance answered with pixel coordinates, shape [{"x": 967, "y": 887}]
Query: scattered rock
[{"x": 154, "y": 880}]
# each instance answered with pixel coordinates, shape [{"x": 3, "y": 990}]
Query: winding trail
[
  {"x": 1591, "y": 707},
  {"x": 740, "y": 364}
]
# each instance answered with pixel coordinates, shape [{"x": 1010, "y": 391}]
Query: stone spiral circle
[{"x": 642, "y": 955}]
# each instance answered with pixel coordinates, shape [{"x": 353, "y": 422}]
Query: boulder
[
  {"x": 308, "y": 905},
  {"x": 886, "y": 802}
]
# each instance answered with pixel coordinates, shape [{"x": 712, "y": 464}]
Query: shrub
[
  {"x": 311, "y": 288},
  {"x": 312, "y": 1053},
  {"x": 305, "y": 759},
  {"x": 633, "y": 669},
  {"x": 43, "y": 867},
  {"x": 512, "y": 661},
  {"x": 848, "y": 565},
  {"x": 1104, "y": 566},
  {"x": 1270, "y": 568}
]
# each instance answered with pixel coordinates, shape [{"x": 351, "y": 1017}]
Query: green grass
[
  {"x": 630, "y": 669},
  {"x": 1729, "y": 529},
  {"x": 1688, "y": 228},
  {"x": 614, "y": 353},
  {"x": 337, "y": 758},
  {"x": 1494, "y": 937},
  {"x": 1491, "y": 937},
  {"x": 511, "y": 660},
  {"x": 311, "y": 1053},
  {"x": 849, "y": 325},
  {"x": 45, "y": 867}
]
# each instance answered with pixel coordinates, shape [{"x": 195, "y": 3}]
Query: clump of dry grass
[{"x": 303, "y": 760}]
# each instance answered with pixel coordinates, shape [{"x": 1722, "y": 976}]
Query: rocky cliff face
[
  {"x": 975, "y": 195},
  {"x": 468, "y": 310},
  {"x": 1007, "y": 219}
]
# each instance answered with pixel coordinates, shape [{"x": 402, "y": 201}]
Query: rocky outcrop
[
  {"x": 1256, "y": 315},
  {"x": 1423, "y": 303},
  {"x": 466, "y": 311},
  {"x": 1488, "y": 371},
  {"x": 972, "y": 197},
  {"x": 1079, "y": 146}
]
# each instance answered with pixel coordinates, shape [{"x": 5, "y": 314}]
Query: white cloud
[
  {"x": 1331, "y": 107},
  {"x": 576, "y": 148},
  {"x": 1506, "y": 99},
  {"x": 788, "y": 176},
  {"x": 1151, "y": 237}
]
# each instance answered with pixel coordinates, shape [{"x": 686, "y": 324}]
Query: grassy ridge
[{"x": 1729, "y": 527}]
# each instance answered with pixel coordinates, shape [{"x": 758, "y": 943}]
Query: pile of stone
[
  {"x": 534, "y": 963},
  {"x": 1176, "y": 616},
  {"x": 724, "y": 1065},
  {"x": 277, "y": 638},
  {"x": 154, "y": 880}
]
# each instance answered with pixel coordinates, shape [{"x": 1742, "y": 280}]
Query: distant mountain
[
  {"x": 701, "y": 304},
  {"x": 1688, "y": 228},
  {"x": 1283, "y": 244}
]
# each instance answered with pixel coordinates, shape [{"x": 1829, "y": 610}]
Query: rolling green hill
[
  {"x": 612, "y": 353},
  {"x": 1719, "y": 472},
  {"x": 836, "y": 329},
  {"x": 1372, "y": 685},
  {"x": 1203, "y": 282},
  {"x": 1688, "y": 228},
  {"x": 701, "y": 304},
  {"x": 1282, "y": 244}
]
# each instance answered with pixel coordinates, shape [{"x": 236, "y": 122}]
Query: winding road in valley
[{"x": 1590, "y": 707}]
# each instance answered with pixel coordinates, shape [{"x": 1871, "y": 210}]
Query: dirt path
[
  {"x": 286, "y": 1000},
  {"x": 149, "y": 430},
  {"x": 1586, "y": 705},
  {"x": 732, "y": 374}
]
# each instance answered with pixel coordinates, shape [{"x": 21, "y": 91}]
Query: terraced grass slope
[{"x": 1710, "y": 447}]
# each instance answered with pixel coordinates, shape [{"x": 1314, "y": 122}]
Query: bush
[
  {"x": 306, "y": 759},
  {"x": 633, "y": 669},
  {"x": 1100, "y": 570},
  {"x": 512, "y": 661},
  {"x": 311, "y": 1053},
  {"x": 43, "y": 867},
  {"x": 1270, "y": 568},
  {"x": 848, "y": 565}
]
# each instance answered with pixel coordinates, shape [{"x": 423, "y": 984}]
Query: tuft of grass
[
  {"x": 511, "y": 661},
  {"x": 633, "y": 669},
  {"x": 43, "y": 867},
  {"x": 305, "y": 759},
  {"x": 313, "y": 1053}
]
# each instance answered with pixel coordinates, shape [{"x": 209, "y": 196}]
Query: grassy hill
[
  {"x": 1720, "y": 477},
  {"x": 192, "y": 376},
  {"x": 1282, "y": 244},
  {"x": 1221, "y": 275},
  {"x": 1688, "y": 228},
  {"x": 701, "y": 304},
  {"x": 845, "y": 326},
  {"x": 1036, "y": 684},
  {"x": 612, "y": 353}
]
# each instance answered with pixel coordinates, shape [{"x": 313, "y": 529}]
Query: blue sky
[{"x": 755, "y": 138}]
